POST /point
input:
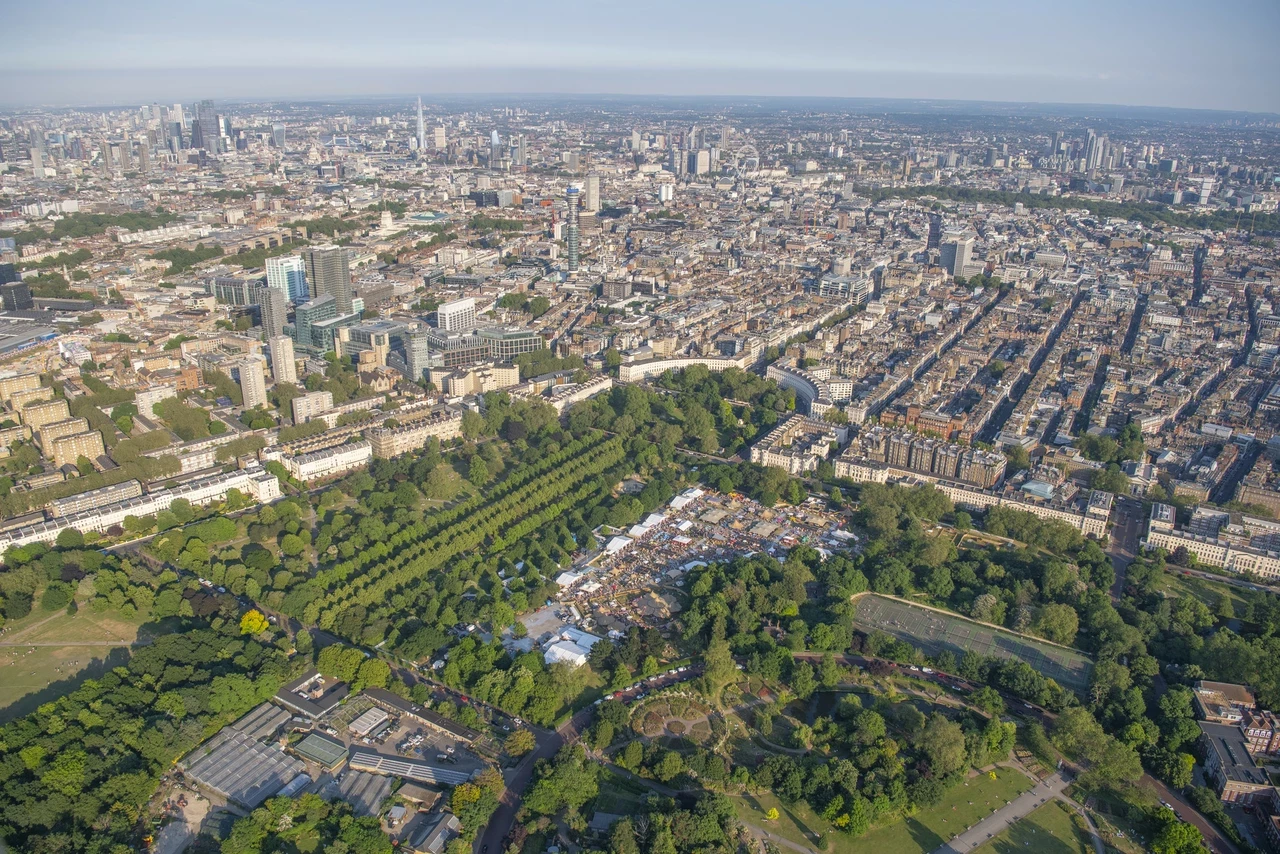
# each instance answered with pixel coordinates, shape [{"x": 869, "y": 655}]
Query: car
[
  {"x": 1028, "y": 705},
  {"x": 926, "y": 669},
  {"x": 484, "y": 849},
  {"x": 914, "y": 668}
]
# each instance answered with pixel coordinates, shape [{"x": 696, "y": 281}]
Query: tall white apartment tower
[
  {"x": 422, "y": 130},
  {"x": 252, "y": 383},
  {"x": 284, "y": 367}
]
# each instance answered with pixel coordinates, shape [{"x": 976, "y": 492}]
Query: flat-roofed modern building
[
  {"x": 329, "y": 273},
  {"x": 311, "y": 694},
  {"x": 457, "y": 316}
]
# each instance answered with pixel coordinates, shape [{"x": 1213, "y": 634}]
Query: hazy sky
[{"x": 1145, "y": 52}]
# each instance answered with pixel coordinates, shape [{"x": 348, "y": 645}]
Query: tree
[
  {"x": 253, "y": 623},
  {"x": 374, "y": 673},
  {"x": 1110, "y": 479},
  {"x": 670, "y": 766},
  {"x": 1058, "y": 623},
  {"x": 803, "y": 681},
  {"x": 70, "y": 538},
  {"x": 440, "y": 484},
  {"x": 478, "y": 472},
  {"x": 719, "y": 670},
  {"x": 472, "y": 425},
  {"x": 943, "y": 742},
  {"x": 1176, "y": 837},
  {"x": 519, "y": 742},
  {"x": 772, "y": 814}
]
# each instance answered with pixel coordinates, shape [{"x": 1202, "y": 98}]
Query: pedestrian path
[{"x": 1014, "y": 811}]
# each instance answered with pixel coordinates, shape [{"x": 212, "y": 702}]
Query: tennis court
[{"x": 933, "y": 631}]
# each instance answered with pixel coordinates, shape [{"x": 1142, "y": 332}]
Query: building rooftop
[
  {"x": 312, "y": 694},
  {"x": 1232, "y": 751}
]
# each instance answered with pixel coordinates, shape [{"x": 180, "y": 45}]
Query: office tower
[
  {"x": 284, "y": 368},
  {"x": 1055, "y": 143},
  {"x": 287, "y": 274},
  {"x": 495, "y": 148},
  {"x": 522, "y": 152},
  {"x": 592, "y": 200},
  {"x": 457, "y": 316},
  {"x": 635, "y": 140},
  {"x": 329, "y": 272},
  {"x": 935, "y": 231},
  {"x": 571, "y": 226},
  {"x": 144, "y": 156},
  {"x": 205, "y": 128},
  {"x": 252, "y": 383},
  {"x": 308, "y": 314},
  {"x": 440, "y": 141},
  {"x": 957, "y": 248},
  {"x": 1206, "y": 190},
  {"x": 233, "y": 291},
  {"x": 273, "y": 307},
  {"x": 15, "y": 295},
  {"x": 278, "y": 136},
  {"x": 422, "y": 130},
  {"x": 36, "y": 139},
  {"x": 700, "y": 161},
  {"x": 9, "y": 273},
  {"x": 126, "y": 155}
]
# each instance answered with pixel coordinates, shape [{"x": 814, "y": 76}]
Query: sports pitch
[{"x": 934, "y": 631}]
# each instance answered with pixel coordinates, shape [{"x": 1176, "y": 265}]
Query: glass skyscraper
[{"x": 287, "y": 274}]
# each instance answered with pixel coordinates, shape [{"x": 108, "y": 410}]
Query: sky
[{"x": 1167, "y": 53}]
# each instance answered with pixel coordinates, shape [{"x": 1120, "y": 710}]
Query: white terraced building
[{"x": 254, "y": 481}]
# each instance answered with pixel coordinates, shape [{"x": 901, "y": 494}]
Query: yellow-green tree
[{"x": 253, "y": 623}]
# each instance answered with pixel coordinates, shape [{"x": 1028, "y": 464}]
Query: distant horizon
[
  {"x": 1117, "y": 108},
  {"x": 1161, "y": 53}
]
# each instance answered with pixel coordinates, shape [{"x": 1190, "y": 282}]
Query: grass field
[
  {"x": 934, "y": 631},
  {"x": 42, "y": 649},
  {"x": 920, "y": 834},
  {"x": 1208, "y": 592},
  {"x": 1051, "y": 829}
]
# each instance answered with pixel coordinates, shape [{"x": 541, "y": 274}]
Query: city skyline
[{"x": 995, "y": 51}]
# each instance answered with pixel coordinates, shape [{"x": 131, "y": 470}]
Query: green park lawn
[
  {"x": 919, "y": 834},
  {"x": 1208, "y": 592},
  {"x": 1051, "y": 829},
  {"x": 33, "y": 655}
]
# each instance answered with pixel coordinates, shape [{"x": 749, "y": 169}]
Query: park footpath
[
  {"x": 1000, "y": 819},
  {"x": 1053, "y": 786}
]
